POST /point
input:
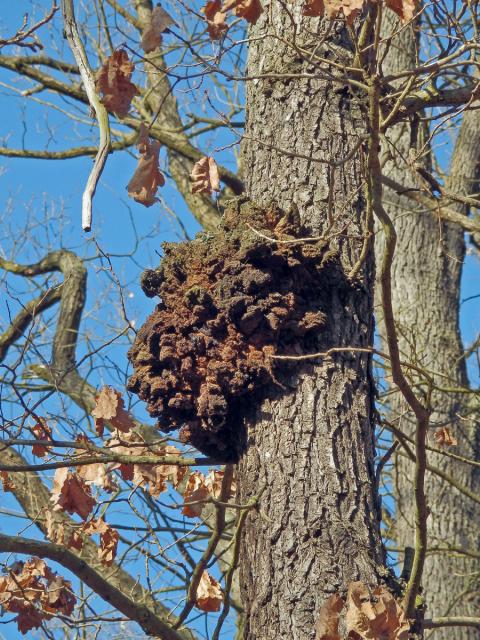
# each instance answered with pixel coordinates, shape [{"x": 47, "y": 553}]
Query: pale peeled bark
[
  {"x": 309, "y": 450},
  {"x": 426, "y": 296}
]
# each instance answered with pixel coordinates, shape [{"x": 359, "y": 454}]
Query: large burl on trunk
[{"x": 230, "y": 302}]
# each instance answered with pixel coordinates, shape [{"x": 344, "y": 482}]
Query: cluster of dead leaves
[
  {"x": 35, "y": 593},
  {"x": 216, "y": 14},
  {"x": 200, "y": 488},
  {"x": 209, "y": 594},
  {"x": 370, "y": 614},
  {"x": 350, "y": 9}
]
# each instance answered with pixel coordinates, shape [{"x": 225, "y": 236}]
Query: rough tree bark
[
  {"x": 309, "y": 451},
  {"x": 426, "y": 297}
]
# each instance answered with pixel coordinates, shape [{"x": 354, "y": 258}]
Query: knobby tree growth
[{"x": 283, "y": 441}]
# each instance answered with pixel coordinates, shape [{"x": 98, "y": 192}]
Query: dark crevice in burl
[{"x": 229, "y": 300}]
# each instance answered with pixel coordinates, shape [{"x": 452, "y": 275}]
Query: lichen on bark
[{"x": 229, "y": 300}]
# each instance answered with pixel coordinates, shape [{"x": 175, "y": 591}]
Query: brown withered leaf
[
  {"x": 209, "y": 594},
  {"x": 326, "y": 627},
  {"x": 147, "y": 177},
  {"x": 113, "y": 81},
  {"x": 205, "y": 176},
  {"x": 35, "y": 593},
  {"x": 109, "y": 407},
  {"x": 41, "y": 431},
  {"x": 151, "y": 476},
  {"x": 152, "y": 36},
  {"x": 444, "y": 437},
  {"x": 108, "y": 539},
  {"x": 215, "y": 17},
  {"x": 333, "y": 8},
  {"x": 71, "y": 494},
  {"x": 405, "y": 9},
  {"x": 374, "y": 614},
  {"x": 195, "y": 490},
  {"x": 248, "y": 9},
  {"x": 157, "y": 475},
  {"x": 7, "y": 482}
]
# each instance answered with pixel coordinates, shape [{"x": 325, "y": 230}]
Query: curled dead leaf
[
  {"x": 209, "y": 594},
  {"x": 147, "y": 177},
  {"x": 195, "y": 491},
  {"x": 248, "y": 9},
  {"x": 109, "y": 407},
  {"x": 41, "y": 431},
  {"x": 334, "y": 8},
  {"x": 444, "y": 437},
  {"x": 200, "y": 487},
  {"x": 405, "y": 9},
  {"x": 374, "y": 613},
  {"x": 215, "y": 17},
  {"x": 108, "y": 539},
  {"x": 326, "y": 627},
  {"x": 7, "y": 482},
  {"x": 160, "y": 20},
  {"x": 71, "y": 494},
  {"x": 113, "y": 81},
  {"x": 205, "y": 176}
]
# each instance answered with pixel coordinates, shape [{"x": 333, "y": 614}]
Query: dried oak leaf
[
  {"x": 405, "y": 9},
  {"x": 444, "y": 437},
  {"x": 333, "y": 8},
  {"x": 113, "y": 81},
  {"x": 374, "y": 614},
  {"x": 71, "y": 494},
  {"x": 7, "y": 483},
  {"x": 215, "y": 17},
  {"x": 209, "y": 594},
  {"x": 326, "y": 627},
  {"x": 108, "y": 539},
  {"x": 152, "y": 36},
  {"x": 248, "y": 9},
  {"x": 41, "y": 431},
  {"x": 205, "y": 176},
  {"x": 147, "y": 177},
  {"x": 195, "y": 491},
  {"x": 109, "y": 407}
]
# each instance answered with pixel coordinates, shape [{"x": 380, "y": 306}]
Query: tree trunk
[
  {"x": 426, "y": 298},
  {"x": 310, "y": 450}
]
